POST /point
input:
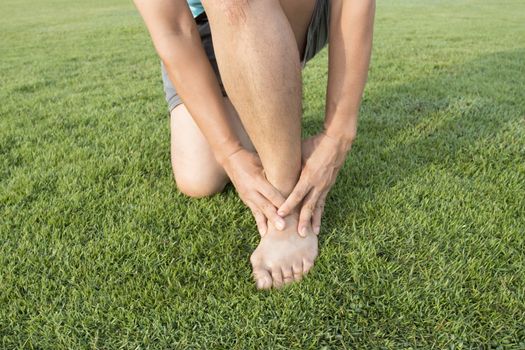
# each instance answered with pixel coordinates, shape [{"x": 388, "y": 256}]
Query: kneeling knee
[{"x": 198, "y": 186}]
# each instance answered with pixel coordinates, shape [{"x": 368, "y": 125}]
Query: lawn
[{"x": 423, "y": 242}]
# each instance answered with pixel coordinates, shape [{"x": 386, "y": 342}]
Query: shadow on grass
[
  {"x": 434, "y": 121},
  {"x": 431, "y": 121}
]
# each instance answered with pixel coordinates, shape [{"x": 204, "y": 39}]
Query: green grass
[{"x": 423, "y": 243}]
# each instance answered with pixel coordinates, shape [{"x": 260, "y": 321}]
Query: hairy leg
[
  {"x": 258, "y": 56},
  {"x": 259, "y": 64}
]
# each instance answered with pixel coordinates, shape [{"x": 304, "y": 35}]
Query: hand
[
  {"x": 247, "y": 175},
  {"x": 323, "y": 156}
]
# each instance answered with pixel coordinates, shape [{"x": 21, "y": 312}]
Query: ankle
[{"x": 284, "y": 183}]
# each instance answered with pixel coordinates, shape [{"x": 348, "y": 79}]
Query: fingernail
[
  {"x": 302, "y": 231},
  {"x": 280, "y": 224},
  {"x": 317, "y": 229}
]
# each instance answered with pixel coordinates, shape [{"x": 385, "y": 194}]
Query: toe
[
  {"x": 307, "y": 265},
  {"x": 297, "y": 271},
  {"x": 277, "y": 277},
  {"x": 287, "y": 274},
  {"x": 262, "y": 277}
]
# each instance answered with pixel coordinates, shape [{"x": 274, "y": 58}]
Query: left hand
[{"x": 323, "y": 156}]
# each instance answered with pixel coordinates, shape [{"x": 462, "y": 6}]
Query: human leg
[
  {"x": 260, "y": 68},
  {"x": 195, "y": 169}
]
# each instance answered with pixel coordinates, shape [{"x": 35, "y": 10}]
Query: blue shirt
[{"x": 196, "y": 7}]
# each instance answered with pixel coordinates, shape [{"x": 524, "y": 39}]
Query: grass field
[{"x": 423, "y": 243}]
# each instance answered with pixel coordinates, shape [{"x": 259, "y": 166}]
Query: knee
[
  {"x": 199, "y": 185},
  {"x": 233, "y": 10}
]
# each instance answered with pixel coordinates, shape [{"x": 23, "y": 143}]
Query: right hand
[{"x": 247, "y": 175}]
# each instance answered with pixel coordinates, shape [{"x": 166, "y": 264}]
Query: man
[{"x": 236, "y": 110}]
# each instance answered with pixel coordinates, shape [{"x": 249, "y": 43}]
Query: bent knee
[
  {"x": 199, "y": 186},
  {"x": 235, "y": 11}
]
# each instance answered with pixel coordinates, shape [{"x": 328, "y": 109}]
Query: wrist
[
  {"x": 344, "y": 137},
  {"x": 341, "y": 124},
  {"x": 225, "y": 150}
]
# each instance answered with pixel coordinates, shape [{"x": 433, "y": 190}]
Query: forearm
[
  {"x": 191, "y": 73},
  {"x": 349, "y": 58},
  {"x": 178, "y": 44}
]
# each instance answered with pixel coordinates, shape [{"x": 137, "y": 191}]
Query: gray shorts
[{"x": 316, "y": 39}]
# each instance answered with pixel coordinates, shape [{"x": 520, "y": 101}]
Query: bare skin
[
  {"x": 196, "y": 171},
  {"x": 351, "y": 30},
  {"x": 178, "y": 44},
  {"x": 257, "y": 144},
  {"x": 241, "y": 29},
  {"x": 281, "y": 256}
]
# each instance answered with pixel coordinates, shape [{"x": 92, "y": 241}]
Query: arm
[
  {"x": 177, "y": 41},
  {"x": 349, "y": 59},
  {"x": 324, "y": 154}
]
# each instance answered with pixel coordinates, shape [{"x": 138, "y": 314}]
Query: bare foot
[{"x": 283, "y": 256}]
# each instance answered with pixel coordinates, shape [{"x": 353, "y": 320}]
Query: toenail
[{"x": 317, "y": 229}]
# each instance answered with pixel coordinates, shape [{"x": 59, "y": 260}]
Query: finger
[
  {"x": 299, "y": 192},
  {"x": 262, "y": 277},
  {"x": 277, "y": 277},
  {"x": 271, "y": 193},
  {"x": 260, "y": 219},
  {"x": 307, "y": 265},
  {"x": 297, "y": 269},
  {"x": 287, "y": 274},
  {"x": 307, "y": 211},
  {"x": 269, "y": 211},
  {"x": 318, "y": 213}
]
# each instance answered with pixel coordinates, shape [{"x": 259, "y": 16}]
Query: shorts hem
[{"x": 174, "y": 102}]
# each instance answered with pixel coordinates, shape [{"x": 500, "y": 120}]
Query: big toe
[{"x": 262, "y": 277}]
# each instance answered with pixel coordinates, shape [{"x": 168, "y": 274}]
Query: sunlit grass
[{"x": 424, "y": 233}]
